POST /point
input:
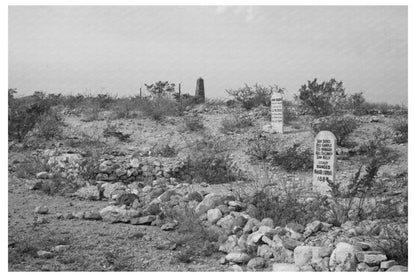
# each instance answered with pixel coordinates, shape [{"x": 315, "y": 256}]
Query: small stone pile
[
  {"x": 127, "y": 170},
  {"x": 112, "y": 168}
]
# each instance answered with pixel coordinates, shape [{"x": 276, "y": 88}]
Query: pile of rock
[
  {"x": 251, "y": 244},
  {"x": 127, "y": 170},
  {"x": 112, "y": 168}
]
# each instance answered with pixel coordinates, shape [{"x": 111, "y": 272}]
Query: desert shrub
[
  {"x": 400, "y": 127},
  {"x": 73, "y": 101},
  {"x": 294, "y": 158},
  {"x": 194, "y": 238},
  {"x": 288, "y": 207},
  {"x": 124, "y": 108},
  {"x": 340, "y": 126},
  {"x": 394, "y": 242},
  {"x": 25, "y": 113},
  {"x": 235, "y": 123},
  {"x": 376, "y": 149},
  {"x": 383, "y": 108},
  {"x": 49, "y": 126},
  {"x": 351, "y": 202},
  {"x": 344, "y": 206},
  {"x": 159, "y": 107},
  {"x": 250, "y": 97},
  {"x": 210, "y": 162},
  {"x": 90, "y": 111},
  {"x": 321, "y": 99},
  {"x": 91, "y": 162},
  {"x": 356, "y": 103},
  {"x": 262, "y": 147},
  {"x": 193, "y": 123},
  {"x": 160, "y": 88},
  {"x": 104, "y": 100}
]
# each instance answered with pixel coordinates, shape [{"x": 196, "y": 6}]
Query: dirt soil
[{"x": 101, "y": 246}]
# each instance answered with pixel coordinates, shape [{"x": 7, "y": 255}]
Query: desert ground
[{"x": 209, "y": 189}]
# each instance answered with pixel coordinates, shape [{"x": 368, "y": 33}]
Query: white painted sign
[
  {"x": 324, "y": 160},
  {"x": 277, "y": 112}
]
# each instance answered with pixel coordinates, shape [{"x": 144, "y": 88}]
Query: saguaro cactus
[{"x": 200, "y": 90}]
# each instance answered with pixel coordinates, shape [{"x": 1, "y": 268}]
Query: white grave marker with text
[
  {"x": 277, "y": 112},
  {"x": 324, "y": 160}
]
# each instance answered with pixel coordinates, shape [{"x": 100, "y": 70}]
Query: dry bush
[
  {"x": 285, "y": 206},
  {"x": 253, "y": 96},
  {"x": 159, "y": 108},
  {"x": 341, "y": 126},
  {"x": 25, "y": 113},
  {"x": 235, "y": 123},
  {"x": 124, "y": 108},
  {"x": 49, "y": 126},
  {"x": 400, "y": 127},
  {"x": 294, "y": 158},
  {"x": 262, "y": 147},
  {"x": 210, "y": 161},
  {"x": 193, "y": 123},
  {"x": 394, "y": 242},
  {"x": 195, "y": 239},
  {"x": 90, "y": 111}
]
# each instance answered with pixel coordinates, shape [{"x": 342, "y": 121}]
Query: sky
[{"x": 117, "y": 49}]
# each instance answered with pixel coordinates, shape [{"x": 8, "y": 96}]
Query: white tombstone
[
  {"x": 324, "y": 161},
  {"x": 277, "y": 112}
]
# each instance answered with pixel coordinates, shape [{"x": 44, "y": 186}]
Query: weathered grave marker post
[
  {"x": 277, "y": 112},
  {"x": 324, "y": 160},
  {"x": 200, "y": 90}
]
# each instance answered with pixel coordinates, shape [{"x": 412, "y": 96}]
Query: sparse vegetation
[
  {"x": 322, "y": 99},
  {"x": 193, "y": 123},
  {"x": 253, "y": 96},
  {"x": 235, "y": 123},
  {"x": 159, "y": 108},
  {"x": 400, "y": 127},
  {"x": 340, "y": 126},
  {"x": 261, "y": 148},
  {"x": 210, "y": 162},
  {"x": 287, "y": 206},
  {"x": 25, "y": 113},
  {"x": 294, "y": 158},
  {"x": 200, "y": 162}
]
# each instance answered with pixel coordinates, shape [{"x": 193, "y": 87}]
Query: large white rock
[
  {"x": 114, "y": 214},
  {"x": 251, "y": 223},
  {"x": 343, "y": 258},
  {"x": 229, "y": 244},
  {"x": 214, "y": 215},
  {"x": 210, "y": 201},
  {"x": 311, "y": 256},
  {"x": 109, "y": 188},
  {"x": 255, "y": 263},
  {"x": 237, "y": 257},
  {"x": 88, "y": 192}
]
